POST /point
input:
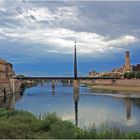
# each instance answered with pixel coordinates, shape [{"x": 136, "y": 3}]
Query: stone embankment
[
  {"x": 9, "y": 86},
  {"x": 116, "y": 85}
]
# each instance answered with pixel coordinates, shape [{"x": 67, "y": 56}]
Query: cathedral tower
[{"x": 127, "y": 62}]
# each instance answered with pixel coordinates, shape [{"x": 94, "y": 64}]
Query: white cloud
[
  {"x": 44, "y": 14},
  {"x": 61, "y": 40},
  {"x": 122, "y": 40}
]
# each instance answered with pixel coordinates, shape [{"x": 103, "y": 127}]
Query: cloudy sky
[{"x": 38, "y": 36}]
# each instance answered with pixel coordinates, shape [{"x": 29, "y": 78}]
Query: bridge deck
[{"x": 64, "y": 78}]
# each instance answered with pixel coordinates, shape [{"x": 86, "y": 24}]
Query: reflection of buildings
[
  {"x": 9, "y": 101},
  {"x": 128, "y": 108},
  {"x": 76, "y": 99}
]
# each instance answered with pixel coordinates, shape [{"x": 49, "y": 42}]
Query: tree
[
  {"x": 125, "y": 75},
  {"x": 130, "y": 75},
  {"x": 137, "y": 74}
]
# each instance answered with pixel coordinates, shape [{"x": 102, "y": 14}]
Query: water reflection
[
  {"x": 128, "y": 108},
  {"x": 76, "y": 99}
]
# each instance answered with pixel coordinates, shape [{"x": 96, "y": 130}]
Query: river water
[{"x": 86, "y": 108}]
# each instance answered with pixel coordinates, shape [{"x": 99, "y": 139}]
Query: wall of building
[
  {"x": 6, "y": 81},
  {"x": 6, "y": 70}
]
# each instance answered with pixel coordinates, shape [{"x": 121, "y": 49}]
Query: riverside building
[{"x": 6, "y": 70}]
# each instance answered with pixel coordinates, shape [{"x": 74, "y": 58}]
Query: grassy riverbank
[
  {"x": 116, "y": 88},
  {"x": 23, "y": 125}
]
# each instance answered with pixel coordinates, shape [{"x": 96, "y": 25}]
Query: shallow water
[{"x": 89, "y": 108}]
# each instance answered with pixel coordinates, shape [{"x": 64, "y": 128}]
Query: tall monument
[
  {"x": 127, "y": 62},
  {"x": 75, "y": 87},
  {"x": 75, "y": 63}
]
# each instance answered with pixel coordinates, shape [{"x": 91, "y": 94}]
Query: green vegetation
[
  {"x": 20, "y": 76},
  {"x": 32, "y": 83},
  {"x": 132, "y": 74},
  {"x": 24, "y": 125}
]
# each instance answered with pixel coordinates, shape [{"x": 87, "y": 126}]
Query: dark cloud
[{"x": 112, "y": 18}]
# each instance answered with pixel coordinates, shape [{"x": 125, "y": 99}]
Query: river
[{"x": 87, "y": 108}]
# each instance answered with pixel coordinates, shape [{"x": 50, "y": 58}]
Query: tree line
[{"x": 133, "y": 74}]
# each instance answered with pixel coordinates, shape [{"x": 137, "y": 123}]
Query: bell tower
[{"x": 127, "y": 62}]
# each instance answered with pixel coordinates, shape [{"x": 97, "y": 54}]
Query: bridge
[{"x": 65, "y": 78}]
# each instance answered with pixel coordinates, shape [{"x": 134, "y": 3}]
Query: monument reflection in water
[
  {"x": 128, "y": 108},
  {"x": 76, "y": 99}
]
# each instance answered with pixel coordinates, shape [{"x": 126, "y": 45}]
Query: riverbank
[
  {"x": 125, "y": 85},
  {"x": 126, "y": 89},
  {"x": 24, "y": 125}
]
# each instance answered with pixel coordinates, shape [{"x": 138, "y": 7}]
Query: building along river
[{"x": 86, "y": 108}]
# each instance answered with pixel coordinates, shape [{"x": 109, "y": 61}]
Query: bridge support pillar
[
  {"x": 56, "y": 81},
  {"x": 53, "y": 84},
  {"x": 53, "y": 87},
  {"x": 68, "y": 82},
  {"x": 13, "y": 85},
  {"x": 12, "y": 102}
]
